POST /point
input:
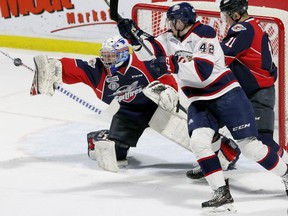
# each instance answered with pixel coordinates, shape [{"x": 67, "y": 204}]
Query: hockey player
[
  {"x": 215, "y": 96},
  {"x": 226, "y": 149},
  {"x": 118, "y": 75},
  {"x": 247, "y": 52}
]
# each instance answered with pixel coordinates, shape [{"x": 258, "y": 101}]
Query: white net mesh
[{"x": 151, "y": 18}]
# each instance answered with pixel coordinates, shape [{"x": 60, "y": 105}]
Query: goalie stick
[{"x": 18, "y": 62}]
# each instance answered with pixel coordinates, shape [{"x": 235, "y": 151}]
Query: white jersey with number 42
[{"x": 202, "y": 72}]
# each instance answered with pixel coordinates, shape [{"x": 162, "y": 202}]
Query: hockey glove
[
  {"x": 163, "y": 95},
  {"x": 162, "y": 65},
  {"x": 126, "y": 26},
  {"x": 48, "y": 73}
]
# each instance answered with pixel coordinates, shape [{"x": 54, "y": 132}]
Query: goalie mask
[{"x": 114, "y": 53}]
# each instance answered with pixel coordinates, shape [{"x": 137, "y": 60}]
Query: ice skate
[
  {"x": 220, "y": 203},
  {"x": 195, "y": 173}
]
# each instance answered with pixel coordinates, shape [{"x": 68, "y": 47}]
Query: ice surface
[{"x": 45, "y": 170}]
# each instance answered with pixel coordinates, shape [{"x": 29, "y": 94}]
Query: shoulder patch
[{"x": 238, "y": 28}]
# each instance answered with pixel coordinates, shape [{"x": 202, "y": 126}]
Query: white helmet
[{"x": 114, "y": 53}]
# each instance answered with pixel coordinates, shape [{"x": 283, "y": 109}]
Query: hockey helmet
[
  {"x": 114, "y": 52},
  {"x": 182, "y": 11},
  {"x": 233, "y": 6}
]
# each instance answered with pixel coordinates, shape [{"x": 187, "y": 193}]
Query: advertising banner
[{"x": 69, "y": 19}]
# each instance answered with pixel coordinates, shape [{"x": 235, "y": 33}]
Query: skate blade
[{"x": 222, "y": 210}]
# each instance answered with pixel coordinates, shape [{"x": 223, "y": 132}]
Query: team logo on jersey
[
  {"x": 127, "y": 93},
  {"x": 113, "y": 86},
  {"x": 238, "y": 28}
]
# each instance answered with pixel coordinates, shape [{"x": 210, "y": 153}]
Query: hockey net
[{"x": 151, "y": 18}]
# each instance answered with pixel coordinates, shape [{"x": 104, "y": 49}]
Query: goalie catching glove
[
  {"x": 48, "y": 75},
  {"x": 163, "y": 95}
]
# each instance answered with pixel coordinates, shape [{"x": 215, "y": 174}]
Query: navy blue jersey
[
  {"x": 248, "y": 53},
  {"x": 125, "y": 85}
]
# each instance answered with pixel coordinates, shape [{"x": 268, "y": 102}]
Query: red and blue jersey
[
  {"x": 248, "y": 53},
  {"x": 125, "y": 85}
]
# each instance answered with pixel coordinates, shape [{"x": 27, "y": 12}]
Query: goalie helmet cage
[{"x": 151, "y": 18}]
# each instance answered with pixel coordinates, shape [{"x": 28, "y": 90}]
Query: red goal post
[{"x": 151, "y": 18}]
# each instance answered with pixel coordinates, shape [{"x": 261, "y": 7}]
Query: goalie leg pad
[
  {"x": 171, "y": 126},
  {"x": 98, "y": 151},
  {"x": 106, "y": 155},
  {"x": 95, "y": 135},
  {"x": 102, "y": 150}
]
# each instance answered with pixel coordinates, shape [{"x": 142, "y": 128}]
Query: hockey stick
[
  {"x": 114, "y": 10},
  {"x": 117, "y": 18},
  {"x": 18, "y": 62}
]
